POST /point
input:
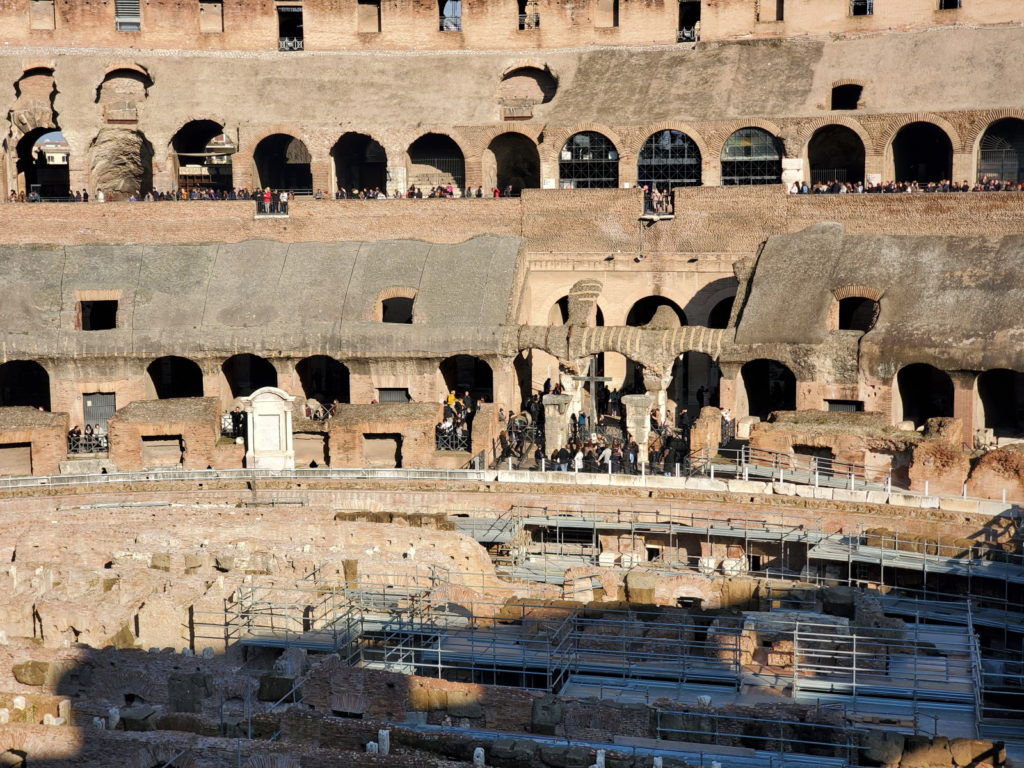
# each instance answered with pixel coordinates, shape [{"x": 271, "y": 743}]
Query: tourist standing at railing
[{"x": 283, "y": 201}]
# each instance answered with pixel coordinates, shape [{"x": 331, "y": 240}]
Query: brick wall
[{"x": 48, "y": 445}]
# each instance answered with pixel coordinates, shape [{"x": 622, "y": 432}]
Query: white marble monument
[{"x": 268, "y": 444}]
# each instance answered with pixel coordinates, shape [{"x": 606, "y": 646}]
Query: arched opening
[
  {"x": 120, "y": 91},
  {"x": 588, "y": 161},
  {"x": 1001, "y": 392},
  {"x": 559, "y": 314},
  {"x": 246, "y": 373},
  {"x": 397, "y": 309},
  {"x": 24, "y": 382},
  {"x": 360, "y": 162},
  {"x": 175, "y": 377},
  {"x": 283, "y": 162},
  {"x": 769, "y": 386},
  {"x": 925, "y": 392},
  {"x": 202, "y": 155},
  {"x": 695, "y": 383},
  {"x": 121, "y": 163},
  {"x": 836, "y": 153},
  {"x": 436, "y": 160},
  {"x": 847, "y": 96},
  {"x": 922, "y": 152},
  {"x": 720, "y": 314},
  {"x": 857, "y": 313},
  {"x": 751, "y": 156},
  {"x": 649, "y": 308},
  {"x": 527, "y": 85},
  {"x": 324, "y": 379},
  {"x": 1001, "y": 155},
  {"x": 464, "y": 373},
  {"x": 43, "y": 164},
  {"x": 512, "y": 161},
  {"x": 668, "y": 159}
]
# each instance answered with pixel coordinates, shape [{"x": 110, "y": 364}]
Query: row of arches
[{"x": 202, "y": 156}]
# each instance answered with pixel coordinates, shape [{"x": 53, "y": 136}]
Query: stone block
[
  {"x": 193, "y": 563},
  {"x": 957, "y": 504},
  {"x": 224, "y": 563},
  {"x": 922, "y": 752},
  {"x": 784, "y": 489},
  {"x": 141, "y": 717},
  {"x": 884, "y": 747},
  {"x": 878, "y": 497},
  {"x": 904, "y": 499},
  {"x": 558, "y": 756},
  {"x": 160, "y": 561},
  {"x": 929, "y": 502},
  {"x": 512, "y": 753},
  {"x": 464, "y": 704},
  {"x": 975, "y": 753},
  {"x": 275, "y": 687},
  {"x": 546, "y": 715},
  {"x": 843, "y": 494},
  {"x": 32, "y": 672},
  {"x": 640, "y": 586},
  {"x": 186, "y": 692},
  {"x": 748, "y": 486},
  {"x": 705, "y": 484}
]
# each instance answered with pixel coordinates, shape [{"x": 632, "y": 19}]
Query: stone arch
[
  {"x": 324, "y": 379},
  {"x": 24, "y": 383},
  {"x": 553, "y": 144},
  {"x": 396, "y": 304},
  {"x": 589, "y": 160},
  {"x": 527, "y": 85},
  {"x": 124, "y": 84},
  {"x": 921, "y": 392},
  {"x": 921, "y": 151},
  {"x": 971, "y": 131},
  {"x": 121, "y": 163},
  {"x": 282, "y": 161},
  {"x": 172, "y": 376},
  {"x": 752, "y": 155},
  {"x": 636, "y": 140},
  {"x": 999, "y": 393},
  {"x": 768, "y": 386},
  {"x": 462, "y": 372},
  {"x": 360, "y": 162},
  {"x": 898, "y": 122},
  {"x": 1000, "y": 150},
  {"x": 511, "y": 159},
  {"x": 436, "y": 158},
  {"x": 245, "y": 373},
  {"x": 836, "y": 152},
  {"x": 846, "y": 92},
  {"x": 867, "y": 291},
  {"x": 189, "y": 162},
  {"x": 645, "y": 310},
  {"x": 669, "y": 158}
]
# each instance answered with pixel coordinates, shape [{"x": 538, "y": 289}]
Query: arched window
[
  {"x": 1002, "y": 151},
  {"x": 516, "y": 163},
  {"x": 397, "y": 309},
  {"x": 857, "y": 313},
  {"x": 283, "y": 162},
  {"x": 436, "y": 160},
  {"x": 922, "y": 152},
  {"x": 668, "y": 159},
  {"x": 770, "y": 386},
  {"x": 175, "y": 377},
  {"x": 925, "y": 392},
  {"x": 202, "y": 154},
  {"x": 847, "y": 96},
  {"x": 44, "y": 159},
  {"x": 588, "y": 161},
  {"x": 751, "y": 156},
  {"x": 648, "y": 308},
  {"x": 836, "y": 153}
]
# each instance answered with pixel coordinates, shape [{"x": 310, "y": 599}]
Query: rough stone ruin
[{"x": 548, "y": 384}]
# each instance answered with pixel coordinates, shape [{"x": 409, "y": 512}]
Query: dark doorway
[
  {"x": 203, "y": 155},
  {"x": 283, "y": 162},
  {"x": 1002, "y": 397},
  {"x": 436, "y": 160},
  {"x": 689, "y": 17},
  {"x": 517, "y": 161},
  {"x": 24, "y": 382},
  {"x": 324, "y": 379},
  {"x": 397, "y": 309},
  {"x": 44, "y": 161},
  {"x": 100, "y": 315},
  {"x": 847, "y": 96},
  {"x": 290, "y": 34},
  {"x": 770, "y": 386},
  {"x": 922, "y": 152},
  {"x": 857, "y": 313},
  {"x": 925, "y": 393},
  {"x": 465, "y": 372},
  {"x": 1002, "y": 151},
  {"x": 175, "y": 377},
  {"x": 645, "y": 310},
  {"x": 360, "y": 162},
  {"x": 836, "y": 153},
  {"x": 247, "y": 373}
]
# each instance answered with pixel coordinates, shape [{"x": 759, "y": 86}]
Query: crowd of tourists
[
  {"x": 92, "y": 439},
  {"x": 443, "y": 191},
  {"x": 835, "y": 187},
  {"x": 454, "y": 432}
]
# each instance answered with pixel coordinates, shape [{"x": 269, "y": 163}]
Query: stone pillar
[
  {"x": 964, "y": 404},
  {"x": 549, "y": 174},
  {"x": 964, "y": 168},
  {"x": 321, "y": 172},
  {"x": 638, "y": 421},
  {"x": 874, "y": 166},
  {"x": 268, "y": 442},
  {"x": 556, "y": 421},
  {"x": 731, "y": 393}
]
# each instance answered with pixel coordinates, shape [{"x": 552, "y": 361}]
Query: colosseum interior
[{"x": 677, "y": 420}]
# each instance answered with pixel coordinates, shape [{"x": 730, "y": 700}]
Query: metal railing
[
  {"x": 451, "y": 439},
  {"x": 658, "y": 202},
  {"x": 760, "y": 464},
  {"x": 87, "y": 444},
  {"x": 529, "y": 21},
  {"x": 449, "y": 23},
  {"x": 290, "y": 44},
  {"x": 687, "y": 35}
]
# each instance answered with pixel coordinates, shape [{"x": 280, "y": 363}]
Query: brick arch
[
  {"x": 247, "y": 147},
  {"x": 130, "y": 65},
  {"x": 460, "y": 141},
  {"x": 392, "y": 292},
  {"x": 974, "y": 129},
  {"x": 846, "y": 81},
  {"x": 562, "y": 135},
  {"x": 649, "y": 130},
  {"x": 805, "y": 131},
  {"x": 726, "y": 131},
  {"x": 34, "y": 64},
  {"x": 898, "y": 122},
  {"x": 531, "y": 131},
  {"x": 860, "y": 291},
  {"x": 543, "y": 66}
]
